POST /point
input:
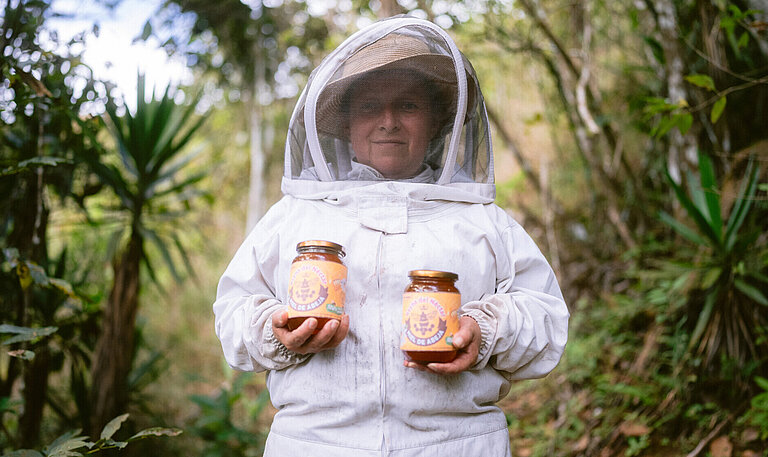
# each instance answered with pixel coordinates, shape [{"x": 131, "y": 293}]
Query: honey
[
  {"x": 431, "y": 304},
  {"x": 317, "y": 283}
]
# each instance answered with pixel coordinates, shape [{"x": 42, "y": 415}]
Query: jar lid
[
  {"x": 321, "y": 244},
  {"x": 433, "y": 274}
]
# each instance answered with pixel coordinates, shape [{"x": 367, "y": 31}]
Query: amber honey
[
  {"x": 431, "y": 304},
  {"x": 317, "y": 283}
]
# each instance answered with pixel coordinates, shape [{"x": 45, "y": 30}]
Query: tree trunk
[
  {"x": 29, "y": 236},
  {"x": 256, "y": 200},
  {"x": 35, "y": 392},
  {"x": 389, "y": 8},
  {"x": 114, "y": 348},
  {"x": 682, "y": 148}
]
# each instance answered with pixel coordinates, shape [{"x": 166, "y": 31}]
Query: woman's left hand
[{"x": 466, "y": 341}]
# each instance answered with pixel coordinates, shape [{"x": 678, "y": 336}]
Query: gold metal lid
[
  {"x": 433, "y": 274},
  {"x": 321, "y": 244}
]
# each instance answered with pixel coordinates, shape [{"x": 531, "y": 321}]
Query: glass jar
[
  {"x": 317, "y": 283},
  {"x": 431, "y": 304}
]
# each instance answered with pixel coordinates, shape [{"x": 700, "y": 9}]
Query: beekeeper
[{"x": 389, "y": 155}]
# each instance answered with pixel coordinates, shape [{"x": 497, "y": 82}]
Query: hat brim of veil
[{"x": 438, "y": 69}]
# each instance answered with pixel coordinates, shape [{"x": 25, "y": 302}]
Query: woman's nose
[{"x": 388, "y": 120}]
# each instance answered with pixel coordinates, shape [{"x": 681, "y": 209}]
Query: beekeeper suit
[{"x": 430, "y": 207}]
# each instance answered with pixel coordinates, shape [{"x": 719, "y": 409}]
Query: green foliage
[
  {"x": 216, "y": 423},
  {"x": 725, "y": 266},
  {"x": 72, "y": 444},
  {"x": 63, "y": 323},
  {"x": 669, "y": 115},
  {"x": 757, "y": 415},
  {"x": 149, "y": 171}
]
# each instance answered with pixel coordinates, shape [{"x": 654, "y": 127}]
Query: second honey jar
[
  {"x": 431, "y": 304},
  {"x": 317, "y": 283}
]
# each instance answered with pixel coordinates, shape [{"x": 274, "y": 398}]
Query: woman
[{"x": 389, "y": 155}]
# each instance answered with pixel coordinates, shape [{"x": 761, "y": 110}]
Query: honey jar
[
  {"x": 317, "y": 283},
  {"x": 431, "y": 304}
]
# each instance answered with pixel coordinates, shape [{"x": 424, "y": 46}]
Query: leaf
[
  {"x": 751, "y": 291},
  {"x": 23, "y": 354},
  {"x": 703, "y": 81},
  {"x": 65, "y": 444},
  {"x": 113, "y": 426},
  {"x": 684, "y": 122},
  {"x": 693, "y": 211},
  {"x": 147, "y": 31},
  {"x": 664, "y": 126},
  {"x": 656, "y": 48},
  {"x": 709, "y": 278},
  {"x": 152, "y": 236},
  {"x": 741, "y": 206},
  {"x": 63, "y": 286},
  {"x": 110, "y": 443},
  {"x": 26, "y": 333},
  {"x": 758, "y": 276},
  {"x": 682, "y": 229},
  {"x": 703, "y": 320},
  {"x": 34, "y": 162},
  {"x": 717, "y": 110},
  {"x": 762, "y": 382},
  {"x": 743, "y": 40},
  {"x": 711, "y": 197},
  {"x": 155, "y": 431}
]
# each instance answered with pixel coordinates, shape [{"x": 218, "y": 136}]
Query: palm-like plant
[
  {"x": 728, "y": 267},
  {"x": 147, "y": 172}
]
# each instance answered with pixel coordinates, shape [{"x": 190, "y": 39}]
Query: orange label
[
  {"x": 317, "y": 289},
  {"x": 430, "y": 319}
]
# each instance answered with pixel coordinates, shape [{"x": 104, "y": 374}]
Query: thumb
[
  {"x": 459, "y": 340},
  {"x": 280, "y": 318}
]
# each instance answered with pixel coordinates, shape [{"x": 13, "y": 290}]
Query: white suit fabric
[{"x": 358, "y": 399}]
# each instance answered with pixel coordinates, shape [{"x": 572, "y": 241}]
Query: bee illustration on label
[
  {"x": 309, "y": 288},
  {"x": 425, "y": 322}
]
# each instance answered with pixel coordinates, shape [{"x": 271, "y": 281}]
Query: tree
[
  {"x": 250, "y": 48},
  {"x": 39, "y": 158},
  {"x": 147, "y": 171}
]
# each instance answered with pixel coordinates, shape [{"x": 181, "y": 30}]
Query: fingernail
[
  {"x": 458, "y": 342},
  {"x": 334, "y": 324},
  {"x": 312, "y": 323}
]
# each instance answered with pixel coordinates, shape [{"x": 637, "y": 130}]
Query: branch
[
  {"x": 709, "y": 438},
  {"x": 581, "y": 92},
  {"x": 538, "y": 17},
  {"x": 747, "y": 85},
  {"x": 509, "y": 142}
]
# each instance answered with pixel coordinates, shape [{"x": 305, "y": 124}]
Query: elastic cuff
[
  {"x": 487, "y": 330},
  {"x": 277, "y": 350}
]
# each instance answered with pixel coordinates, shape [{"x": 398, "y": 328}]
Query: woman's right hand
[{"x": 302, "y": 341}]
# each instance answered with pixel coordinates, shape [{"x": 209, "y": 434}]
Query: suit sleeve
[
  {"x": 525, "y": 322},
  {"x": 246, "y": 299}
]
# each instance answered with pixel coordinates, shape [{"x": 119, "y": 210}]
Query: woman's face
[{"x": 391, "y": 123}]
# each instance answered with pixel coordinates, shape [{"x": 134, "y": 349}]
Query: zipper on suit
[{"x": 382, "y": 378}]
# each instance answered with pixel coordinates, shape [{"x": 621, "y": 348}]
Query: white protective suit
[{"x": 358, "y": 399}]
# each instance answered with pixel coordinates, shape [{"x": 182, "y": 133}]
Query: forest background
[{"x": 631, "y": 140}]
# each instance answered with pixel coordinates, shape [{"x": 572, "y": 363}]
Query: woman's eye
[
  {"x": 367, "y": 107},
  {"x": 409, "y": 107}
]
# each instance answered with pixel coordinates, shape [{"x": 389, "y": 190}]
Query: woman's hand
[
  {"x": 466, "y": 341},
  {"x": 302, "y": 341}
]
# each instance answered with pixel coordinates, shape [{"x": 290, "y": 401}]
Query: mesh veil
[{"x": 392, "y": 69}]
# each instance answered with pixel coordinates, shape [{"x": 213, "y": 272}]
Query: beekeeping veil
[{"x": 458, "y": 163}]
